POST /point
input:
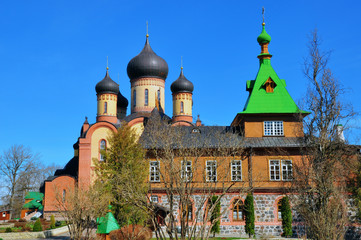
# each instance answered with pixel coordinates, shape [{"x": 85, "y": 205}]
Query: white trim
[
  {"x": 154, "y": 171},
  {"x": 273, "y": 127},
  {"x": 236, "y": 170},
  {"x": 211, "y": 165}
]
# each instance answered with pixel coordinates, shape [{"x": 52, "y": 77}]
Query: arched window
[
  {"x": 134, "y": 98},
  {"x": 105, "y": 107},
  {"x": 158, "y": 92},
  {"x": 146, "y": 97},
  {"x": 279, "y": 213},
  {"x": 103, "y": 145},
  {"x": 237, "y": 210},
  {"x": 182, "y": 107},
  {"x": 64, "y": 195}
]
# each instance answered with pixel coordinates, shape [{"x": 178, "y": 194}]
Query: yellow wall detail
[
  {"x": 98, "y": 135},
  {"x": 111, "y": 100},
  {"x": 186, "y": 98}
]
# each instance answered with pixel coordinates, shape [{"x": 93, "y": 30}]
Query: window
[
  {"x": 158, "y": 94},
  {"x": 286, "y": 170},
  {"x": 64, "y": 195},
  {"x": 273, "y": 128},
  {"x": 236, "y": 173},
  {"x": 187, "y": 212},
  {"x": 279, "y": 213},
  {"x": 154, "y": 174},
  {"x": 4, "y": 214},
  {"x": 275, "y": 170},
  {"x": 105, "y": 107},
  {"x": 102, "y": 147},
  {"x": 134, "y": 98},
  {"x": 146, "y": 97},
  {"x": 186, "y": 171},
  {"x": 238, "y": 208},
  {"x": 154, "y": 198},
  {"x": 211, "y": 171},
  {"x": 182, "y": 107},
  {"x": 270, "y": 85}
]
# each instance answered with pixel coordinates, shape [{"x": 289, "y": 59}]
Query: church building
[{"x": 269, "y": 121}]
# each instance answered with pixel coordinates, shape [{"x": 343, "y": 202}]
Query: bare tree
[
  {"x": 15, "y": 163},
  {"x": 320, "y": 177},
  {"x": 80, "y": 207},
  {"x": 190, "y": 166}
]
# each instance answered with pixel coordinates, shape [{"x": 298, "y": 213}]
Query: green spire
[
  {"x": 268, "y": 94},
  {"x": 108, "y": 223},
  {"x": 263, "y": 37}
]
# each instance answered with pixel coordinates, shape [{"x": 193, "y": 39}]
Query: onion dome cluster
[
  {"x": 182, "y": 84},
  {"x": 107, "y": 85},
  {"x": 147, "y": 64}
]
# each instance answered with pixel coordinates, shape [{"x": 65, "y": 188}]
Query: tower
[
  {"x": 107, "y": 96},
  {"x": 182, "y": 91},
  {"x": 122, "y": 105},
  {"x": 147, "y": 73}
]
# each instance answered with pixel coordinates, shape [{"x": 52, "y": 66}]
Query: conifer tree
[
  {"x": 215, "y": 217},
  {"x": 286, "y": 217},
  {"x": 123, "y": 174},
  {"x": 52, "y": 222},
  {"x": 249, "y": 215},
  {"x": 37, "y": 226}
]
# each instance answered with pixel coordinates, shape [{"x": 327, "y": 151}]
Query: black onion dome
[
  {"x": 107, "y": 85},
  {"x": 182, "y": 84},
  {"x": 122, "y": 101},
  {"x": 147, "y": 64}
]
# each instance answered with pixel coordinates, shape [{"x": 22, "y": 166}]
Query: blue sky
[{"x": 52, "y": 54}]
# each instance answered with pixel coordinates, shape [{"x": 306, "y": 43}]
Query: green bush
[
  {"x": 37, "y": 226},
  {"x": 249, "y": 215},
  {"x": 57, "y": 224},
  {"x": 8, "y": 230},
  {"x": 52, "y": 222},
  {"x": 286, "y": 214},
  {"x": 215, "y": 214}
]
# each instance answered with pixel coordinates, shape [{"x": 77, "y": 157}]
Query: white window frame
[
  {"x": 4, "y": 214},
  {"x": 186, "y": 170},
  {"x": 211, "y": 171},
  {"x": 273, "y": 128},
  {"x": 154, "y": 199},
  {"x": 154, "y": 173},
  {"x": 236, "y": 170},
  {"x": 287, "y": 172},
  {"x": 284, "y": 170},
  {"x": 102, "y": 147}
]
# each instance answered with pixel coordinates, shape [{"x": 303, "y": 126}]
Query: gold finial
[
  {"x": 147, "y": 29},
  {"x": 263, "y": 16},
  {"x": 107, "y": 64},
  {"x": 181, "y": 62}
]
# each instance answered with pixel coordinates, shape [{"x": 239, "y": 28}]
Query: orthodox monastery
[{"x": 267, "y": 122}]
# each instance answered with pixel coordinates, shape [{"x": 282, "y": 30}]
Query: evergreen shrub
[
  {"x": 7, "y": 230},
  {"x": 37, "y": 226},
  {"x": 249, "y": 215},
  {"x": 215, "y": 214},
  {"x": 286, "y": 214},
  {"x": 52, "y": 222}
]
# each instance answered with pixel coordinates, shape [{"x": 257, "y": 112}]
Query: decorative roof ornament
[
  {"x": 263, "y": 37},
  {"x": 147, "y": 64},
  {"x": 182, "y": 84},
  {"x": 108, "y": 223}
]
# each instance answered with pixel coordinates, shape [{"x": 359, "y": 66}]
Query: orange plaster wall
[
  {"x": 290, "y": 128},
  {"x": 55, "y": 187}
]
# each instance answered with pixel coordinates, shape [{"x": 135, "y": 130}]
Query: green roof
[
  {"x": 108, "y": 223},
  {"x": 34, "y": 195},
  {"x": 263, "y": 37},
  {"x": 33, "y": 204},
  {"x": 259, "y": 101}
]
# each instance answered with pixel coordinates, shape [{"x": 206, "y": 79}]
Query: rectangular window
[
  {"x": 4, "y": 214},
  {"x": 236, "y": 173},
  {"x": 274, "y": 167},
  {"x": 273, "y": 128},
  {"x": 186, "y": 172},
  {"x": 286, "y": 170},
  {"x": 154, "y": 174},
  {"x": 154, "y": 198},
  {"x": 211, "y": 171},
  {"x": 276, "y": 174}
]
